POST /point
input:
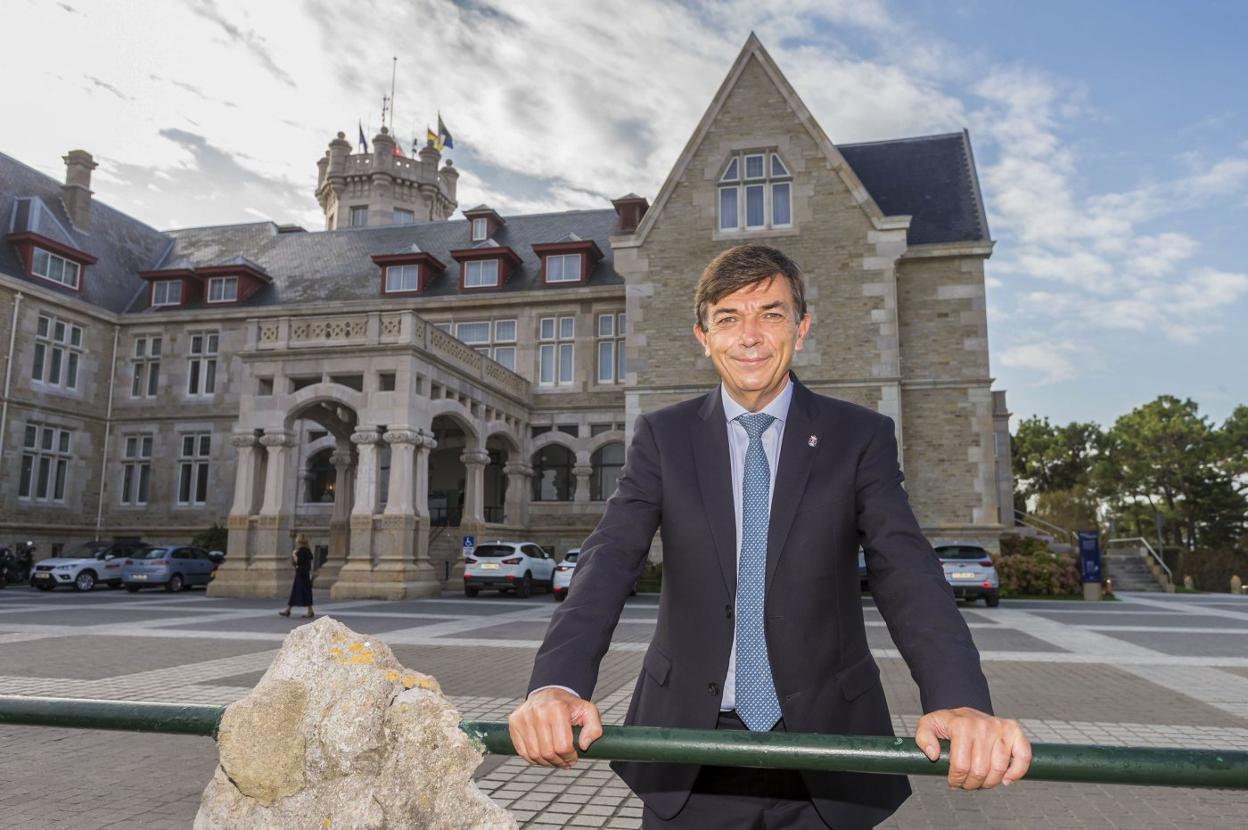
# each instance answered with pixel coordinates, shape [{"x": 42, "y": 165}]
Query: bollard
[
  {"x": 1237, "y": 585},
  {"x": 1226, "y": 769}
]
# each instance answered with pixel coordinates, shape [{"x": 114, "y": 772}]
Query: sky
[{"x": 1111, "y": 138}]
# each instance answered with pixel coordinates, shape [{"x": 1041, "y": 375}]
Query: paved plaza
[{"x": 1149, "y": 670}]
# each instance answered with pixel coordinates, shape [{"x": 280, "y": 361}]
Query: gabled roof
[
  {"x": 122, "y": 245},
  {"x": 931, "y": 178}
]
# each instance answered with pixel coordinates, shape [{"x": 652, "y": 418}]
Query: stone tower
[{"x": 382, "y": 188}]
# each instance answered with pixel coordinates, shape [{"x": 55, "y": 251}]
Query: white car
[
  {"x": 508, "y": 566},
  {"x": 85, "y": 565},
  {"x": 563, "y": 574}
]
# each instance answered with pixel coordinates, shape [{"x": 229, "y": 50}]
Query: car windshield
[
  {"x": 493, "y": 550},
  {"x": 85, "y": 550},
  {"x": 961, "y": 552},
  {"x": 150, "y": 553},
  {"x": 571, "y": 555}
]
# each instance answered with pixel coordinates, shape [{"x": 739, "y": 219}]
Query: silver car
[
  {"x": 172, "y": 568},
  {"x": 970, "y": 572},
  {"x": 563, "y": 574}
]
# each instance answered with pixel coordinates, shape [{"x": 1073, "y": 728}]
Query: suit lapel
[
  {"x": 714, "y": 466},
  {"x": 797, "y": 457}
]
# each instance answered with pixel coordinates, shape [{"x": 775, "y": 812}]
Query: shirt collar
[{"x": 778, "y": 408}]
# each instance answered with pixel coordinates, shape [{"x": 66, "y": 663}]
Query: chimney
[
  {"x": 76, "y": 192},
  {"x": 630, "y": 209}
]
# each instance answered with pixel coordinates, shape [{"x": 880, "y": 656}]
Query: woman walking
[{"x": 301, "y": 588}]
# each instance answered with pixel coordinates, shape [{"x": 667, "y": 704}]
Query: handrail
[
  {"x": 1149, "y": 548},
  {"x": 1227, "y": 769},
  {"x": 1043, "y": 524}
]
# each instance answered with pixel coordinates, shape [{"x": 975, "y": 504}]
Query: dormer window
[
  {"x": 483, "y": 223},
  {"x": 482, "y": 273},
  {"x": 56, "y": 268},
  {"x": 480, "y": 229},
  {"x": 755, "y": 193},
  {"x": 563, "y": 268},
  {"x": 166, "y": 292},
  {"x": 400, "y": 278},
  {"x": 568, "y": 260},
  {"x": 223, "y": 289}
]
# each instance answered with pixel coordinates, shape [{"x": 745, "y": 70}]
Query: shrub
[
  {"x": 651, "y": 578},
  {"x": 1026, "y": 566},
  {"x": 213, "y": 538}
]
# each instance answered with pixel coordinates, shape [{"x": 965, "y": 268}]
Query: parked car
[
  {"x": 563, "y": 574},
  {"x": 85, "y": 565},
  {"x": 508, "y": 566},
  {"x": 969, "y": 570},
  {"x": 172, "y": 568}
]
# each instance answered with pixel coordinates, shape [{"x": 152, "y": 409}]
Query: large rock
[{"x": 338, "y": 735}]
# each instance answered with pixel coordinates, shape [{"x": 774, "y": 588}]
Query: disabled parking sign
[{"x": 469, "y": 542}]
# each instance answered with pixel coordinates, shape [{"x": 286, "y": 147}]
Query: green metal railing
[{"x": 1050, "y": 762}]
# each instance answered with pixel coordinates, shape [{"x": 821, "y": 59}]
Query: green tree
[{"x": 1046, "y": 458}]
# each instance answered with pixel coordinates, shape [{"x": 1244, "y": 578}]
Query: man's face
[{"x": 751, "y": 336}]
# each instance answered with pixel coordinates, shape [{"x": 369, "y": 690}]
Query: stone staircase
[
  {"x": 1029, "y": 532},
  {"x": 1132, "y": 569}
]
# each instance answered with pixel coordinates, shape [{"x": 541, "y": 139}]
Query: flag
[
  {"x": 444, "y": 135},
  {"x": 397, "y": 151},
  {"x": 363, "y": 140},
  {"x": 432, "y": 137}
]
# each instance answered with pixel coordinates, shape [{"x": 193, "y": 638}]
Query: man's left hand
[{"x": 984, "y": 751}]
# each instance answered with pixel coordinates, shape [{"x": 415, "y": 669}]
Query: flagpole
[{"x": 394, "y": 68}]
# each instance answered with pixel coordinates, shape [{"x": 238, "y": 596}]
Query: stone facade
[{"x": 351, "y": 413}]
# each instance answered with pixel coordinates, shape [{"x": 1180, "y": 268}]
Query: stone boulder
[{"x": 339, "y": 735}]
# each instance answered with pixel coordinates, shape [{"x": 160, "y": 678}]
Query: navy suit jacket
[{"x": 829, "y": 498}]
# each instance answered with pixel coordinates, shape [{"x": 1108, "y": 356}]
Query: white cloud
[{"x": 1054, "y": 362}]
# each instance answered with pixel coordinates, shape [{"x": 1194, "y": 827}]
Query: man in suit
[{"x": 762, "y": 491}]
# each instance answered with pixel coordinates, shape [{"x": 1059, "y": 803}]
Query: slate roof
[
  {"x": 932, "y": 178},
  {"x": 337, "y": 265},
  {"x": 122, "y": 245}
]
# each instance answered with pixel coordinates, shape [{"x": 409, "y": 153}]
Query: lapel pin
[{"x": 813, "y": 440}]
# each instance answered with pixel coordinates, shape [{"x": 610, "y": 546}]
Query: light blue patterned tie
[{"x": 757, "y": 705}]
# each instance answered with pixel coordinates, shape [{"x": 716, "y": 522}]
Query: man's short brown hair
[{"x": 742, "y": 266}]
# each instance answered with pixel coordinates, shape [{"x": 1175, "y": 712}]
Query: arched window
[
  {"x": 755, "y": 192},
  {"x": 321, "y": 476},
  {"x": 607, "y": 463},
  {"x": 552, "y": 474}
]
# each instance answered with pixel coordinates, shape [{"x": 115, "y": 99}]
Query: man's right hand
[{"x": 541, "y": 727}]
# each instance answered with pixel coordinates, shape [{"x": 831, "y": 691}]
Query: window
[
  {"x": 485, "y": 337},
  {"x": 607, "y": 462},
  {"x": 611, "y": 348},
  {"x": 58, "y": 351},
  {"x": 481, "y": 273},
  {"x": 359, "y": 216},
  {"x": 45, "y": 463},
  {"x": 201, "y": 367},
  {"x": 552, "y": 474},
  {"x": 222, "y": 289},
  {"x": 146, "y": 364},
  {"x": 402, "y": 278},
  {"x": 555, "y": 350},
  {"x": 321, "y": 478},
  {"x": 167, "y": 292},
  {"x": 403, "y": 217},
  {"x": 136, "y": 469},
  {"x": 480, "y": 230},
  {"x": 563, "y": 268},
  {"x": 446, "y": 327},
  {"x": 56, "y": 268},
  {"x": 193, "y": 468},
  {"x": 761, "y": 198}
]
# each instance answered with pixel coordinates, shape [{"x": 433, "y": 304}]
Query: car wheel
[
  {"x": 43, "y": 586},
  {"x": 992, "y": 599},
  {"x": 560, "y": 596},
  {"x": 525, "y": 589},
  {"x": 132, "y": 589},
  {"x": 174, "y": 584},
  {"x": 471, "y": 590},
  {"x": 85, "y": 581}
]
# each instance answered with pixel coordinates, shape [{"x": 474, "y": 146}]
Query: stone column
[
  {"x": 340, "y": 520},
  {"x": 582, "y": 473},
  {"x": 268, "y": 567},
  {"x": 516, "y": 508},
  {"x": 231, "y": 577},
  {"x": 363, "y": 506},
  {"x": 474, "y": 487}
]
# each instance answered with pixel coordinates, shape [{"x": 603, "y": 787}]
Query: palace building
[{"x": 415, "y": 373}]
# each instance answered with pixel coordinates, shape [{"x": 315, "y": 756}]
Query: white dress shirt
[{"x": 738, "y": 443}]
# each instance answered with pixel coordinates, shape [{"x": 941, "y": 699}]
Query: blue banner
[{"x": 1089, "y": 556}]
